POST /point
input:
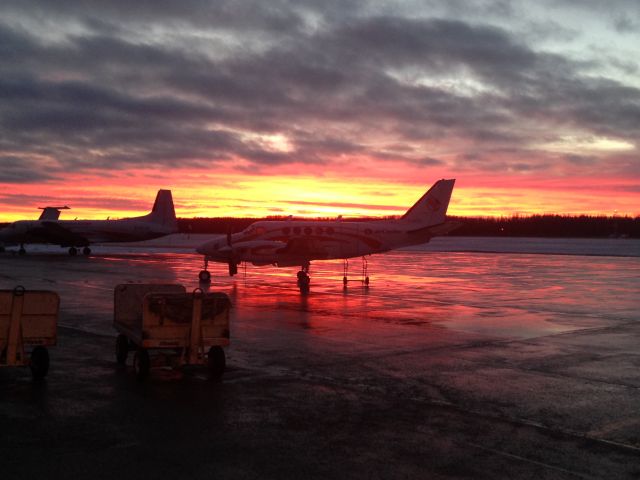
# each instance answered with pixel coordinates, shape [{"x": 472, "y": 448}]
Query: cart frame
[
  {"x": 28, "y": 320},
  {"x": 147, "y": 320}
]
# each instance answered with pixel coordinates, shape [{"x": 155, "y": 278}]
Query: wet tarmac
[{"x": 451, "y": 365}]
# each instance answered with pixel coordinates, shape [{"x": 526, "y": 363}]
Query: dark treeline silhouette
[{"x": 516, "y": 226}]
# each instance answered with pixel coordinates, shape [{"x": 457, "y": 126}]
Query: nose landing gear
[{"x": 204, "y": 276}]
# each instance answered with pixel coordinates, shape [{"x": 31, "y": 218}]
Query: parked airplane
[
  {"x": 298, "y": 242},
  {"x": 81, "y": 233}
]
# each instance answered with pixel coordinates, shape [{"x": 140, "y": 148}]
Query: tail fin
[
  {"x": 163, "y": 212},
  {"x": 51, "y": 213},
  {"x": 431, "y": 209}
]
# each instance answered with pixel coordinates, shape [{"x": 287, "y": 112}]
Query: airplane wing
[
  {"x": 440, "y": 229},
  {"x": 304, "y": 247},
  {"x": 53, "y": 232}
]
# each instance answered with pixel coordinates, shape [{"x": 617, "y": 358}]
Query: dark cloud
[
  {"x": 115, "y": 84},
  {"x": 23, "y": 170}
]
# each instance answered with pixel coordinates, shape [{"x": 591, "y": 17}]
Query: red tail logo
[{"x": 434, "y": 204}]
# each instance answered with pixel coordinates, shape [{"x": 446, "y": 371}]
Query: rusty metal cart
[
  {"x": 28, "y": 321},
  {"x": 176, "y": 327}
]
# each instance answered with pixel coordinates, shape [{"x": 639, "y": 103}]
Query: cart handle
[{"x": 18, "y": 291}]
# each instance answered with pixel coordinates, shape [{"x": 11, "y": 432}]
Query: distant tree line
[{"x": 515, "y": 226}]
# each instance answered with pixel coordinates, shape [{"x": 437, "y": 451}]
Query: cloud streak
[{"x": 259, "y": 87}]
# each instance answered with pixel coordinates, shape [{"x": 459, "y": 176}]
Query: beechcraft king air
[
  {"x": 81, "y": 233},
  {"x": 298, "y": 242}
]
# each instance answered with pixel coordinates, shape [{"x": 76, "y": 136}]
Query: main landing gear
[
  {"x": 365, "y": 273},
  {"x": 304, "y": 279}
]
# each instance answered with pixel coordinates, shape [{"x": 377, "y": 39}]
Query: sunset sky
[{"x": 252, "y": 108}]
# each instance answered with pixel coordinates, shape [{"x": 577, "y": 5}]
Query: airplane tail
[
  {"x": 431, "y": 209},
  {"x": 163, "y": 212}
]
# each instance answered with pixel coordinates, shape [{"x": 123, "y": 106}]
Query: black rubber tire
[
  {"x": 39, "y": 362},
  {"x": 141, "y": 364},
  {"x": 233, "y": 269},
  {"x": 204, "y": 276},
  {"x": 304, "y": 283},
  {"x": 22, "y": 251},
  {"x": 216, "y": 362},
  {"x": 122, "y": 349},
  {"x": 73, "y": 251},
  {"x": 86, "y": 251}
]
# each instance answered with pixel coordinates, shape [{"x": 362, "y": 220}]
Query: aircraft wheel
[
  {"x": 303, "y": 282},
  {"x": 141, "y": 363},
  {"x": 86, "y": 251},
  {"x": 204, "y": 276},
  {"x": 344, "y": 280},
  {"x": 366, "y": 281},
  {"x": 73, "y": 251},
  {"x": 39, "y": 362},
  {"x": 216, "y": 362},
  {"x": 122, "y": 349},
  {"x": 233, "y": 269},
  {"x": 22, "y": 251}
]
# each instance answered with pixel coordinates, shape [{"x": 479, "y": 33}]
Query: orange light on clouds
[{"x": 220, "y": 194}]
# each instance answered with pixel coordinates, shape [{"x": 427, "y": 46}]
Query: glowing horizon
[{"x": 262, "y": 196}]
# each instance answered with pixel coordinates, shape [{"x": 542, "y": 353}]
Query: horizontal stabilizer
[{"x": 438, "y": 230}]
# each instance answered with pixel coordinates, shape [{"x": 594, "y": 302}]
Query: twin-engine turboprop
[
  {"x": 81, "y": 233},
  {"x": 294, "y": 242}
]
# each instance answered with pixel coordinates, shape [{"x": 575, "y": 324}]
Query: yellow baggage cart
[
  {"x": 166, "y": 326},
  {"x": 28, "y": 325}
]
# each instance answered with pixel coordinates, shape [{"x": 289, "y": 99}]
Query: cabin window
[
  {"x": 296, "y": 230},
  {"x": 319, "y": 230},
  {"x": 307, "y": 230}
]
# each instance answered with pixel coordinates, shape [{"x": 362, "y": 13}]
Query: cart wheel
[
  {"x": 122, "y": 349},
  {"x": 141, "y": 363},
  {"x": 39, "y": 362},
  {"x": 216, "y": 362}
]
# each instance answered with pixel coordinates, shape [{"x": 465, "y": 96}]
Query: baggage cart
[
  {"x": 166, "y": 326},
  {"x": 28, "y": 325}
]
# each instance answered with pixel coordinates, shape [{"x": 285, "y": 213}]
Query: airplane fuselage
[
  {"x": 80, "y": 232},
  {"x": 289, "y": 243}
]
